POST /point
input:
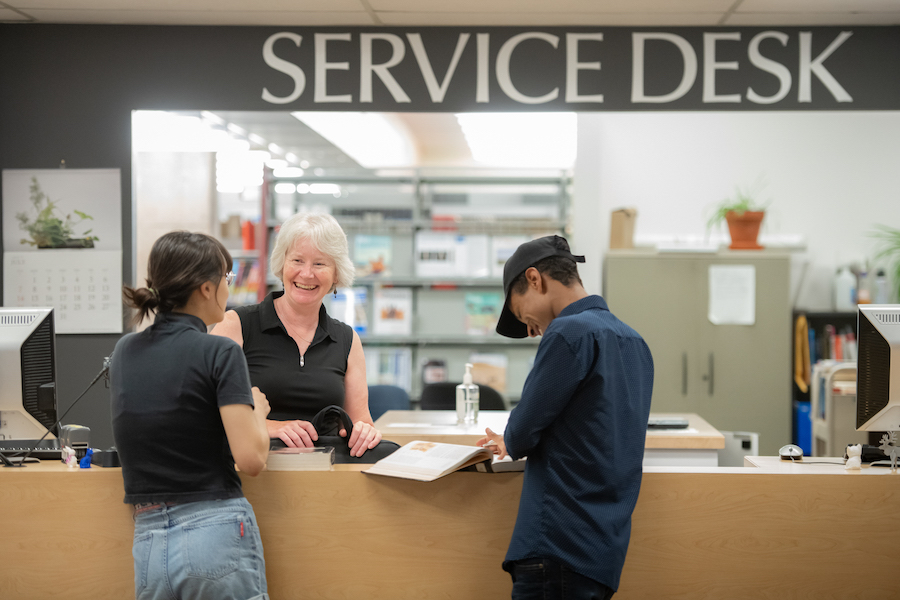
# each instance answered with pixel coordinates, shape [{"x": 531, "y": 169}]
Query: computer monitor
[
  {"x": 878, "y": 368},
  {"x": 27, "y": 373}
]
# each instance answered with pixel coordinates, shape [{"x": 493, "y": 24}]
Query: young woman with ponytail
[{"x": 183, "y": 415}]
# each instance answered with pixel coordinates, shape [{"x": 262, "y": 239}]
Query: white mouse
[{"x": 790, "y": 452}]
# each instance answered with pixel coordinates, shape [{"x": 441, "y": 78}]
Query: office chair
[
  {"x": 383, "y": 398},
  {"x": 442, "y": 396}
]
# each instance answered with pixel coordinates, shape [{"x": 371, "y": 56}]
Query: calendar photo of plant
[
  {"x": 49, "y": 210},
  {"x": 48, "y": 227}
]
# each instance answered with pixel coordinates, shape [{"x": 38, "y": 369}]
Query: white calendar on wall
[
  {"x": 83, "y": 286},
  {"x": 62, "y": 245}
]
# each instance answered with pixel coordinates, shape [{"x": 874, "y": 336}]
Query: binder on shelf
[
  {"x": 350, "y": 305},
  {"x": 502, "y": 247},
  {"x": 451, "y": 255},
  {"x": 389, "y": 366},
  {"x": 247, "y": 281},
  {"x": 436, "y": 254},
  {"x": 392, "y": 311},
  {"x": 489, "y": 368},
  {"x": 482, "y": 312},
  {"x": 372, "y": 255}
]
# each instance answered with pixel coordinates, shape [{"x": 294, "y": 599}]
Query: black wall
[{"x": 67, "y": 92}]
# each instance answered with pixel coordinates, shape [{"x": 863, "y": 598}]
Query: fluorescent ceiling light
[
  {"x": 533, "y": 140},
  {"x": 288, "y": 172},
  {"x": 325, "y": 188},
  {"x": 374, "y": 140},
  {"x": 285, "y": 188}
]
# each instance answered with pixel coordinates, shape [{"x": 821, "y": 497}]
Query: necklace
[{"x": 292, "y": 332}]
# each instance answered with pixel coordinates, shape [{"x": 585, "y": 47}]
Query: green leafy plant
[
  {"x": 48, "y": 229},
  {"x": 744, "y": 200},
  {"x": 889, "y": 248}
]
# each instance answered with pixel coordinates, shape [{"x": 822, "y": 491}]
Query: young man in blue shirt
[{"x": 581, "y": 422}]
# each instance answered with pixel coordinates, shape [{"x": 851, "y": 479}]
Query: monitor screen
[
  {"x": 878, "y": 368},
  {"x": 27, "y": 373}
]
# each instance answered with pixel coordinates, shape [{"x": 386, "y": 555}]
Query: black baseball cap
[{"x": 525, "y": 256}]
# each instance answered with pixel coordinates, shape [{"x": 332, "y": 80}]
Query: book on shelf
[
  {"x": 372, "y": 255},
  {"x": 436, "y": 254},
  {"x": 451, "y": 255},
  {"x": 482, "y": 312},
  {"x": 489, "y": 368},
  {"x": 389, "y": 366},
  {"x": 392, "y": 311},
  {"x": 427, "y": 461},
  {"x": 350, "y": 305},
  {"x": 245, "y": 289},
  {"x": 502, "y": 247},
  {"x": 300, "y": 459}
]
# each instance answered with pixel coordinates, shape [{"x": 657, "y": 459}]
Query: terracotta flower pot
[{"x": 744, "y": 229}]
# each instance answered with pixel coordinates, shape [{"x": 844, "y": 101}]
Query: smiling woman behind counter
[{"x": 300, "y": 357}]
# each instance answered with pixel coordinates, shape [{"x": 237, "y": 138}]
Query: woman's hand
[
  {"x": 295, "y": 434},
  {"x": 363, "y": 437},
  {"x": 495, "y": 440}
]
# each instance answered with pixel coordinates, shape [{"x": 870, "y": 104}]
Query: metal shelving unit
[{"x": 402, "y": 206}]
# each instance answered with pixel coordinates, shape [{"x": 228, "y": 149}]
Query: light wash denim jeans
[{"x": 198, "y": 550}]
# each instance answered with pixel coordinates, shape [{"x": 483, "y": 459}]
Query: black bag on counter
[{"x": 328, "y": 423}]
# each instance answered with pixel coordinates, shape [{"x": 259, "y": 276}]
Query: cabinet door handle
[
  {"x": 710, "y": 377},
  {"x": 684, "y": 374}
]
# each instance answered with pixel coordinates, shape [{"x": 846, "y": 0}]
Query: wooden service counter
[
  {"x": 695, "y": 446},
  {"x": 771, "y": 531}
]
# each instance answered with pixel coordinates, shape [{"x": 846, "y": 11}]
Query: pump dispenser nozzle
[{"x": 467, "y": 378}]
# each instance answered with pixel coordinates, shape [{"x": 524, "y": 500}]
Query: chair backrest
[
  {"x": 383, "y": 398},
  {"x": 442, "y": 396}
]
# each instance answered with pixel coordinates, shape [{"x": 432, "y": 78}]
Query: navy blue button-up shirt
[{"x": 582, "y": 423}]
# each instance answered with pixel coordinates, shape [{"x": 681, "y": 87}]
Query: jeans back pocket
[{"x": 213, "y": 546}]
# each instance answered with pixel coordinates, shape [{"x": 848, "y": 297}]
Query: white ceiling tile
[
  {"x": 818, "y": 6},
  {"x": 193, "y": 5},
  {"x": 548, "y": 20},
  {"x": 812, "y": 20},
  {"x": 149, "y": 17},
  {"x": 551, "y": 6}
]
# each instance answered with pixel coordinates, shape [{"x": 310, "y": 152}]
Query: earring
[{"x": 335, "y": 292}]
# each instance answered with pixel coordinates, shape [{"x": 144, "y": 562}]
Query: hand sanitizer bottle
[{"x": 467, "y": 399}]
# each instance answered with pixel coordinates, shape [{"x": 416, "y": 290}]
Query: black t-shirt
[
  {"x": 295, "y": 392},
  {"x": 166, "y": 385}
]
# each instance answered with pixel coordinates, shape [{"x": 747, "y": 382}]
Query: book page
[{"x": 427, "y": 459}]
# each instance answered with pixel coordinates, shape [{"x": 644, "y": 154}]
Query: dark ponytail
[{"x": 180, "y": 262}]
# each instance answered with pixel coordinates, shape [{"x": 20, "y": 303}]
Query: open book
[{"x": 427, "y": 461}]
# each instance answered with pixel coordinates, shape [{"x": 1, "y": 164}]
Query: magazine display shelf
[{"x": 402, "y": 213}]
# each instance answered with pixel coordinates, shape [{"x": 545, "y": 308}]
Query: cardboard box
[{"x": 621, "y": 229}]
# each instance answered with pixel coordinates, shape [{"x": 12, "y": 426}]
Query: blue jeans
[
  {"x": 199, "y": 550},
  {"x": 545, "y": 579}
]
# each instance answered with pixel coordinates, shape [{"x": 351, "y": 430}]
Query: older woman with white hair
[{"x": 298, "y": 356}]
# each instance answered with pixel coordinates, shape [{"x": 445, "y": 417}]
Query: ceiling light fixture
[
  {"x": 525, "y": 140},
  {"x": 371, "y": 139}
]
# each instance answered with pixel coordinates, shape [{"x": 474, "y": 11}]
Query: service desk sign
[
  {"x": 62, "y": 245},
  {"x": 483, "y": 69}
]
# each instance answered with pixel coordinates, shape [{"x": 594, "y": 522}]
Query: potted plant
[
  {"x": 889, "y": 249},
  {"x": 744, "y": 216},
  {"x": 50, "y": 230}
]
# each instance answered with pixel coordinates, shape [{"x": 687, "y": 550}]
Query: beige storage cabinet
[{"x": 737, "y": 377}]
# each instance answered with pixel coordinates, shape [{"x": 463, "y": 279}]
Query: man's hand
[{"x": 494, "y": 440}]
